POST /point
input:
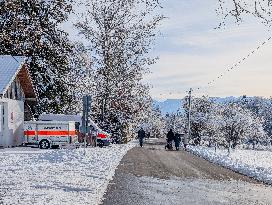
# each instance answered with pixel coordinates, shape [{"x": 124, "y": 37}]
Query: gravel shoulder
[{"x": 151, "y": 175}]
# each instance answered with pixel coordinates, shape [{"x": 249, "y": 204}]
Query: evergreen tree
[{"x": 31, "y": 29}]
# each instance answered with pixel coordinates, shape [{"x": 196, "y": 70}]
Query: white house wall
[
  {"x": 13, "y": 125},
  {"x": 1, "y": 124}
]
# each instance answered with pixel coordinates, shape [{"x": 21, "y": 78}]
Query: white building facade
[{"x": 16, "y": 91}]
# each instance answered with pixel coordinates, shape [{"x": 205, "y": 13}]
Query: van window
[
  {"x": 77, "y": 125},
  {"x": 92, "y": 128}
]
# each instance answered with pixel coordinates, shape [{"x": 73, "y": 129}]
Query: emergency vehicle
[
  {"x": 103, "y": 138},
  {"x": 50, "y": 134}
]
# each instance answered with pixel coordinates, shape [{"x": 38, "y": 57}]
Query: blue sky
[{"x": 192, "y": 53}]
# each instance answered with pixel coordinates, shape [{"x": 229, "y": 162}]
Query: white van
[
  {"x": 50, "y": 134},
  {"x": 103, "y": 138}
]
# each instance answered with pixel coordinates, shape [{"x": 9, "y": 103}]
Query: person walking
[
  {"x": 141, "y": 136},
  {"x": 177, "y": 140},
  {"x": 170, "y": 138}
]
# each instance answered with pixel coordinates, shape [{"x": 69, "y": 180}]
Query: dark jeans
[
  {"x": 185, "y": 146},
  {"x": 141, "y": 142},
  {"x": 177, "y": 144}
]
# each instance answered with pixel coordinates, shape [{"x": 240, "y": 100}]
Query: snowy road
[{"x": 154, "y": 176}]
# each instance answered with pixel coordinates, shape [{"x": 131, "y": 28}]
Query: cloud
[{"x": 192, "y": 53}]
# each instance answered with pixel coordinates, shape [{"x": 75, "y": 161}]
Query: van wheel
[
  {"x": 44, "y": 144},
  {"x": 100, "y": 144}
]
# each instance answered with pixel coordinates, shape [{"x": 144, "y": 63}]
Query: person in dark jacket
[
  {"x": 170, "y": 138},
  {"x": 141, "y": 136},
  {"x": 177, "y": 140}
]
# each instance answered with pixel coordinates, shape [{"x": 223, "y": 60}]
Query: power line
[
  {"x": 228, "y": 69},
  {"x": 234, "y": 67}
]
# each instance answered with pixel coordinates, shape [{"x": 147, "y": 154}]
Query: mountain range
[{"x": 173, "y": 105}]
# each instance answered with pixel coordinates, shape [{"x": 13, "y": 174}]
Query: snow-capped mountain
[
  {"x": 172, "y": 105},
  {"x": 169, "y": 105}
]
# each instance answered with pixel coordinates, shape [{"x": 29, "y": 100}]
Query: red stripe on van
[
  {"x": 101, "y": 136},
  {"x": 56, "y": 133},
  {"x": 29, "y": 133},
  {"x": 50, "y": 133}
]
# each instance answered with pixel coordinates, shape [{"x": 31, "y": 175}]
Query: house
[{"x": 16, "y": 94}]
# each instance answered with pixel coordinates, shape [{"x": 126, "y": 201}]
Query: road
[{"x": 151, "y": 175}]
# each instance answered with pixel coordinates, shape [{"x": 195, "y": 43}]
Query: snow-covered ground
[
  {"x": 33, "y": 176},
  {"x": 256, "y": 164},
  {"x": 202, "y": 192},
  {"x": 185, "y": 191}
]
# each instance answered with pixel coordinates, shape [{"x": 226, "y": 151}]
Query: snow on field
[
  {"x": 33, "y": 176},
  {"x": 256, "y": 164}
]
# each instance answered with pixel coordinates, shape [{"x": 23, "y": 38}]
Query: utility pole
[
  {"x": 189, "y": 113},
  {"x": 174, "y": 123},
  {"x": 103, "y": 110},
  {"x": 85, "y": 118}
]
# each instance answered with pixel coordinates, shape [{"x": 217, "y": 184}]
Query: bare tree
[{"x": 238, "y": 9}]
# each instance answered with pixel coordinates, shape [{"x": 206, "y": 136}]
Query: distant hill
[
  {"x": 169, "y": 105},
  {"x": 225, "y": 99},
  {"x": 172, "y": 105}
]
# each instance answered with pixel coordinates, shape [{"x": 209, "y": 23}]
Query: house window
[
  {"x": 10, "y": 92},
  {"x": 13, "y": 90},
  {"x": 16, "y": 96},
  {"x": 3, "y": 115},
  {"x": 18, "y": 90},
  {"x": 22, "y": 94}
]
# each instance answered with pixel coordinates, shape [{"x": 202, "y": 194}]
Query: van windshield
[{"x": 94, "y": 126}]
